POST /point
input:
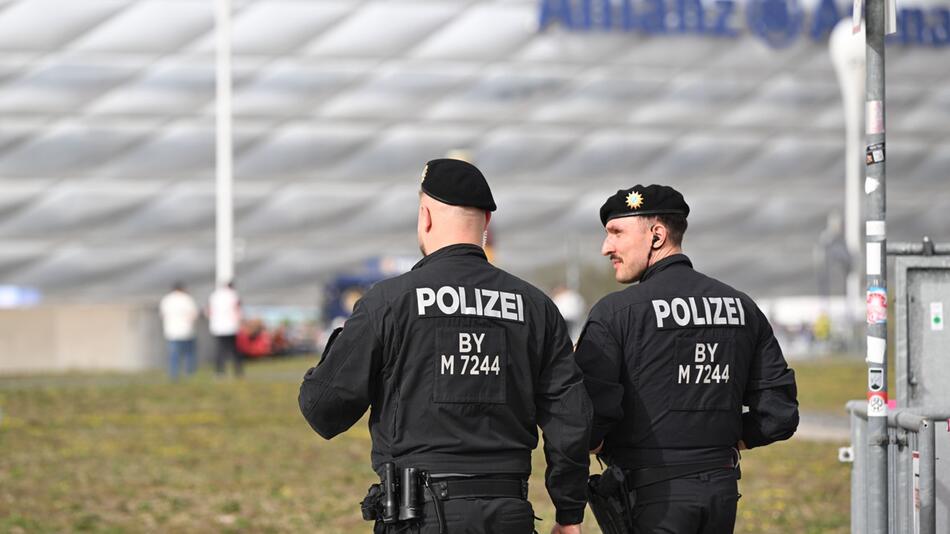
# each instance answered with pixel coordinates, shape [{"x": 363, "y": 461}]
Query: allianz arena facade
[{"x": 107, "y": 133}]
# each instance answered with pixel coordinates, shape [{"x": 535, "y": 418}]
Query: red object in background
[{"x": 253, "y": 344}]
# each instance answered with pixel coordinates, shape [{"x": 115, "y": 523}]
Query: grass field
[
  {"x": 825, "y": 385},
  {"x": 109, "y": 453}
]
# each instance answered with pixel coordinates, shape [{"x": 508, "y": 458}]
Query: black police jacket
[
  {"x": 669, "y": 364},
  {"x": 460, "y": 362}
]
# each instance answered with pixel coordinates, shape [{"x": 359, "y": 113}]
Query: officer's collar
[
  {"x": 663, "y": 264},
  {"x": 460, "y": 249}
]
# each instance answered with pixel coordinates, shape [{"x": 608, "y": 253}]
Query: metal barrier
[{"x": 911, "y": 450}]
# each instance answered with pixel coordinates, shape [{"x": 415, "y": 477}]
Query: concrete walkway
[{"x": 822, "y": 426}]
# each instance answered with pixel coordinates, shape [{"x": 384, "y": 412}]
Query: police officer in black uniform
[
  {"x": 669, "y": 364},
  {"x": 459, "y": 362}
]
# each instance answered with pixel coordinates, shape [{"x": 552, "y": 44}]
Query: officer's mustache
[{"x": 616, "y": 258}]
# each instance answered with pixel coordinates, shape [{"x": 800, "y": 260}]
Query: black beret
[
  {"x": 456, "y": 182},
  {"x": 643, "y": 200}
]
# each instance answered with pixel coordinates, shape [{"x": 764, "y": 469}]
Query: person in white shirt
[
  {"x": 179, "y": 313},
  {"x": 224, "y": 320},
  {"x": 572, "y": 307}
]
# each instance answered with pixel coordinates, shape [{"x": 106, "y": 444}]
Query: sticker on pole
[
  {"x": 877, "y": 404},
  {"x": 875, "y": 154},
  {"x": 875, "y": 379},
  {"x": 875, "y": 228},
  {"x": 936, "y": 316},
  {"x": 874, "y": 115},
  {"x": 873, "y": 258},
  {"x": 877, "y": 305},
  {"x": 877, "y": 349}
]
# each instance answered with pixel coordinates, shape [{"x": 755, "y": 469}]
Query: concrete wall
[{"x": 101, "y": 337}]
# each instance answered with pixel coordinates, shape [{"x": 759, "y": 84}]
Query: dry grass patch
[{"x": 137, "y": 454}]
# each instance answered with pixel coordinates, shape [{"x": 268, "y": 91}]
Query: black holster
[
  {"x": 613, "y": 494},
  {"x": 397, "y": 498},
  {"x": 611, "y": 501},
  {"x": 371, "y": 505}
]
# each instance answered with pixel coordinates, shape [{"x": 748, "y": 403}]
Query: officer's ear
[
  {"x": 660, "y": 234},
  {"x": 425, "y": 218}
]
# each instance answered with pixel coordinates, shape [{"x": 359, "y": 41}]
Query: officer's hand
[
  {"x": 742, "y": 446},
  {"x": 566, "y": 529}
]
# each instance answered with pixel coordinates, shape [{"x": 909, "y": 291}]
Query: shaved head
[{"x": 442, "y": 224}]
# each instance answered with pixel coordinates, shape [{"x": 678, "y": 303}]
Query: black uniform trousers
[
  {"x": 697, "y": 504},
  {"x": 502, "y": 515}
]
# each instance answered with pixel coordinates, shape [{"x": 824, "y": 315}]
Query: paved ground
[{"x": 820, "y": 426}]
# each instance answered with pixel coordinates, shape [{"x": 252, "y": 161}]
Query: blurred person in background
[
  {"x": 461, "y": 362},
  {"x": 224, "y": 320},
  {"x": 282, "y": 342},
  {"x": 179, "y": 313},
  {"x": 572, "y": 307},
  {"x": 669, "y": 364}
]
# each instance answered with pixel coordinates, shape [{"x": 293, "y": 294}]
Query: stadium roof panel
[
  {"x": 134, "y": 28},
  {"x": 107, "y": 145}
]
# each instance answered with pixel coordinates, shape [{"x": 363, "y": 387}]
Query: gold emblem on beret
[
  {"x": 634, "y": 200},
  {"x": 425, "y": 171}
]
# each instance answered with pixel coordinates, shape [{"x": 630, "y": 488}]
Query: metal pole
[
  {"x": 875, "y": 254},
  {"x": 928, "y": 470},
  {"x": 224, "y": 209},
  {"x": 859, "y": 499}
]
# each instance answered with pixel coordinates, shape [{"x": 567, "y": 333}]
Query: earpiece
[{"x": 655, "y": 239}]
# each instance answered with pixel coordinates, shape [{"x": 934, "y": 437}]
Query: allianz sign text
[{"x": 777, "y": 22}]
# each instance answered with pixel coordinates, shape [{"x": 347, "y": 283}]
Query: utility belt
[
  {"x": 401, "y": 494},
  {"x": 613, "y": 494},
  {"x": 638, "y": 478}
]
